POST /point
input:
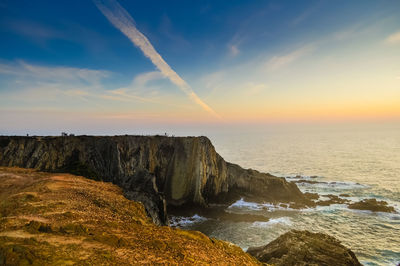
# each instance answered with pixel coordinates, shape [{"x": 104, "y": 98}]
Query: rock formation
[
  {"x": 151, "y": 169},
  {"x": 372, "y": 205},
  {"x": 61, "y": 219},
  {"x": 333, "y": 199},
  {"x": 304, "y": 248}
]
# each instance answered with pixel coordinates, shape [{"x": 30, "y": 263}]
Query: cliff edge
[
  {"x": 61, "y": 219},
  {"x": 155, "y": 170}
]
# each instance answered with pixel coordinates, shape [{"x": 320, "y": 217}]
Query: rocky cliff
[
  {"x": 62, "y": 219},
  {"x": 152, "y": 169}
]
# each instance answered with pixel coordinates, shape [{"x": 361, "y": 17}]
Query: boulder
[
  {"x": 304, "y": 248},
  {"x": 372, "y": 205}
]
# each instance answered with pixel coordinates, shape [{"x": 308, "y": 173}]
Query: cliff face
[
  {"x": 62, "y": 219},
  {"x": 151, "y": 169}
]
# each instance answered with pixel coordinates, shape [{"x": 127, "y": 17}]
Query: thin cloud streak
[
  {"x": 121, "y": 19},
  {"x": 278, "y": 62},
  {"x": 393, "y": 38}
]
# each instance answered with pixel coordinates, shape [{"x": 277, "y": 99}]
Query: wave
[
  {"x": 342, "y": 185},
  {"x": 182, "y": 221},
  {"x": 253, "y": 206},
  {"x": 281, "y": 220}
]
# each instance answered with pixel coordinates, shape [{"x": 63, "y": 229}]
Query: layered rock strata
[
  {"x": 62, "y": 219},
  {"x": 156, "y": 170}
]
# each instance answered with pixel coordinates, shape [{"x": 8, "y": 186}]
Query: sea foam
[
  {"x": 281, "y": 220},
  {"x": 182, "y": 221}
]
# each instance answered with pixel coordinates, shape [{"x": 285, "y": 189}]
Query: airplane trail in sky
[{"x": 121, "y": 19}]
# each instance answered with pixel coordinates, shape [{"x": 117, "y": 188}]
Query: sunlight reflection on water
[{"x": 362, "y": 162}]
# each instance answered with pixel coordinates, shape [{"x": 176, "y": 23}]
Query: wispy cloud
[
  {"x": 277, "y": 62},
  {"x": 32, "y": 29},
  {"x": 166, "y": 28},
  {"x": 58, "y": 86},
  {"x": 144, "y": 78},
  {"x": 305, "y": 14},
  {"x": 121, "y": 19},
  {"x": 254, "y": 89},
  {"x": 234, "y": 50},
  {"x": 53, "y": 74},
  {"x": 393, "y": 38}
]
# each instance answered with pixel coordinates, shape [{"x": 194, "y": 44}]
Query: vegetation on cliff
[
  {"x": 64, "y": 219},
  {"x": 155, "y": 170}
]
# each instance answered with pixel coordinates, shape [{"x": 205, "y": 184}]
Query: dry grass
[{"x": 48, "y": 219}]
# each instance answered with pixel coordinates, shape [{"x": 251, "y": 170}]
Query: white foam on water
[
  {"x": 348, "y": 185},
  {"x": 281, "y": 220},
  {"x": 331, "y": 207},
  {"x": 242, "y": 204},
  {"x": 177, "y": 221}
]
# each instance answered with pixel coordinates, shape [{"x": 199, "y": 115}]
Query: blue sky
[{"x": 67, "y": 58}]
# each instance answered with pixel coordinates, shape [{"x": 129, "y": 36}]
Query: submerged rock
[
  {"x": 304, "y": 248},
  {"x": 372, "y": 205},
  {"x": 176, "y": 171},
  {"x": 333, "y": 199}
]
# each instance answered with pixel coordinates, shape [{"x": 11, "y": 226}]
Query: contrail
[{"x": 121, "y": 19}]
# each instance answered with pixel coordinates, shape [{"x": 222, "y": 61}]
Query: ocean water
[{"x": 362, "y": 160}]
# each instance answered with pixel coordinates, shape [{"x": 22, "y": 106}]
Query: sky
[{"x": 108, "y": 66}]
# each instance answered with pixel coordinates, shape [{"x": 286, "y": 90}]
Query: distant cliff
[{"x": 152, "y": 169}]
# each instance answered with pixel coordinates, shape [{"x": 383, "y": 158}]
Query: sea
[{"x": 358, "y": 159}]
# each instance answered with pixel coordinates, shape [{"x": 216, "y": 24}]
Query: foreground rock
[
  {"x": 176, "y": 170},
  {"x": 304, "y": 248},
  {"x": 61, "y": 219},
  {"x": 372, "y": 205}
]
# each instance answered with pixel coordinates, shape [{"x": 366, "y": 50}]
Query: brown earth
[
  {"x": 52, "y": 219},
  {"x": 158, "y": 171}
]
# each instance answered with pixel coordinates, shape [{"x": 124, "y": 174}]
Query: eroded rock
[
  {"x": 176, "y": 170},
  {"x": 333, "y": 199},
  {"x": 372, "y": 205},
  {"x": 78, "y": 221},
  {"x": 304, "y": 248}
]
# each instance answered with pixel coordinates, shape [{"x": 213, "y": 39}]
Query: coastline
[{"x": 20, "y": 148}]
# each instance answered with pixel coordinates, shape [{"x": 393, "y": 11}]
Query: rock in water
[
  {"x": 176, "y": 170},
  {"x": 304, "y": 248},
  {"x": 372, "y": 205}
]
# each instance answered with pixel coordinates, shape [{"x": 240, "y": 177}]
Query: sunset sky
[{"x": 96, "y": 65}]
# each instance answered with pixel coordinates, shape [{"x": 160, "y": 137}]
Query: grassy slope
[{"x": 64, "y": 219}]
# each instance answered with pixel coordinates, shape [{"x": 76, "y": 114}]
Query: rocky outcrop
[
  {"x": 372, "y": 205},
  {"x": 61, "y": 219},
  {"x": 304, "y": 248},
  {"x": 151, "y": 169},
  {"x": 333, "y": 199}
]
